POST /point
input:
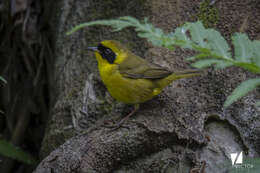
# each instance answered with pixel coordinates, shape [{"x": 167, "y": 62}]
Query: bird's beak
[{"x": 94, "y": 49}]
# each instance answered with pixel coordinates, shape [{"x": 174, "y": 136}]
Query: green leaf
[
  {"x": 129, "y": 19},
  {"x": 180, "y": 34},
  {"x": 202, "y": 50},
  {"x": 242, "y": 46},
  {"x": 257, "y": 103},
  {"x": 242, "y": 90},
  {"x": 9, "y": 150},
  {"x": 168, "y": 41},
  {"x": 218, "y": 44},
  {"x": 198, "y": 34},
  {"x": 116, "y": 24},
  {"x": 256, "y": 52},
  {"x": 3, "y": 80},
  {"x": 223, "y": 64},
  {"x": 143, "y": 35},
  {"x": 158, "y": 31},
  {"x": 248, "y": 66},
  {"x": 205, "y": 63}
]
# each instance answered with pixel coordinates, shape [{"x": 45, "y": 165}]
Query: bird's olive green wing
[{"x": 138, "y": 68}]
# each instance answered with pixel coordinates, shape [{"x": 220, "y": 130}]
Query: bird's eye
[{"x": 107, "y": 53}]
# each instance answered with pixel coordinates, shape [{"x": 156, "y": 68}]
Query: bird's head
[{"x": 110, "y": 52}]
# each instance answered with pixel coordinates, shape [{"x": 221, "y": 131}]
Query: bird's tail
[{"x": 179, "y": 75}]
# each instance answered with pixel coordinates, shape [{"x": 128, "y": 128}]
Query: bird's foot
[
  {"x": 121, "y": 122},
  {"x": 115, "y": 126}
]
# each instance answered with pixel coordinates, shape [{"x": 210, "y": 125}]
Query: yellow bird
[{"x": 130, "y": 78}]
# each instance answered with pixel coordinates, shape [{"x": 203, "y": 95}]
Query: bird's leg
[
  {"x": 136, "y": 107},
  {"x": 119, "y": 124}
]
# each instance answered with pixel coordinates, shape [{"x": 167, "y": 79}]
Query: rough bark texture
[{"x": 175, "y": 131}]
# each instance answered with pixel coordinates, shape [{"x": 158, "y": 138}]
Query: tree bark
[{"x": 184, "y": 129}]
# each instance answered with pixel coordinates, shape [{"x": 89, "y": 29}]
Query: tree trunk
[{"x": 184, "y": 129}]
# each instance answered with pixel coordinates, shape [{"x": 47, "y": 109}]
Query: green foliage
[
  {"x": 211, "y": 47},
  {"x": 3, "y": 80},
  {"x": 242, "y": 90},
  {"x": 144, "y": 30},
  {"x": 9, "y": 150}
]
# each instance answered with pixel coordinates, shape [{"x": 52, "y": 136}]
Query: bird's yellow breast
[{"x": 131, "y": 91}]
